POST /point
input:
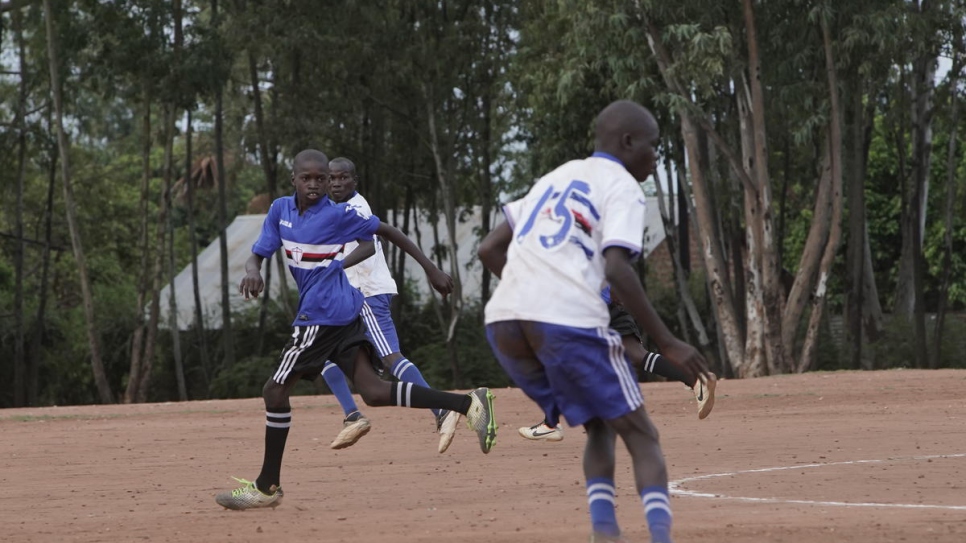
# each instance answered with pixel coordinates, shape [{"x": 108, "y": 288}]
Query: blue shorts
[
  {"x": 579, "y": 372},
  {"x": 378, "y": 319}
]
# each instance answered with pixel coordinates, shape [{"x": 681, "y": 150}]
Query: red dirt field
[{"x": 822, "y": 457}]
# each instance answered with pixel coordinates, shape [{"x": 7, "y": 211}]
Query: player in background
[
  {"x": 313, "y": 231},
  {"x": 373, "y": 278},
  {"x": 623, "y": 323},
  {"x": 575, "y": 231}
]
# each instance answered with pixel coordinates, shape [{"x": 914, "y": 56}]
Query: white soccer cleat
[
  {"x": 541, "y": 432},
  {"x": 447, "y": 429},
  {"x": 354, "y": 427},
  {"x": 704, "y": 394}
]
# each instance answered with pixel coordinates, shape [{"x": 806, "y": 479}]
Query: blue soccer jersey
[{"x": 314, "y": 244}]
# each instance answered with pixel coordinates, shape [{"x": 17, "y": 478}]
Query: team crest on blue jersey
[{"x": 296, "y": 255}]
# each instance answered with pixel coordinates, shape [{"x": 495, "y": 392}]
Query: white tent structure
[
  {"x": 241, "y": 234},
  {"x": 244, "y": 230}
]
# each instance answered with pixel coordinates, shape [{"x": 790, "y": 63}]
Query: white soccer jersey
[
  {"x": 555, "y": 264},
  {"x": 372, "y": 275}
]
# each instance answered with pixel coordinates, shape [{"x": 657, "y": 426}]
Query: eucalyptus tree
[
  {"x": 721, "y": 68},
  {"x": 77, "y": 243}
]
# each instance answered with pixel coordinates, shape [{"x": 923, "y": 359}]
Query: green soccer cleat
[
  {"x": 481, "y": 419},
  {"x": 249, "y": 497}
]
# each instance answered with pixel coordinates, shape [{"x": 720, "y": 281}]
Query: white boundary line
[{"x": 675, "y": 486}]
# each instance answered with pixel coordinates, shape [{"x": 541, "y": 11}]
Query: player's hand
[
  {"x": 441, "y": 281},
  {"x": 251, "y": 285},
  {"x": 687, "y": 356}
]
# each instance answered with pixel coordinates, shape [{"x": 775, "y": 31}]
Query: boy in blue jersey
[
  {"x": 313, "y": 232},
  {"x": 575, "y": 231},
  {"x": 373, "y": 278}
]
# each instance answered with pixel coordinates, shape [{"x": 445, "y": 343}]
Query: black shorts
[
  {"x": 306, "y": 353},
  {"x": 622, "y": 322}
]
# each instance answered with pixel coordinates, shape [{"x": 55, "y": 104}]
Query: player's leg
[
  {"x": 549, "y": 429},
  {"x": 355, "y": 424},
  {"x": 599, "y": 462},
  {"x": 702, "y": 388},
  {"x": 335, "y": 380},
  {"x": 304, "y": 354},
  {"x": 623, "y": 323},
  {"x": 592, "y": 379},
  {"x": 356, "y": 359},
  {"x": 640, "y": 436},
  {"x": 377, "y": 315}
]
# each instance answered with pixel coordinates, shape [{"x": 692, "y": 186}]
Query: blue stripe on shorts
[{"x": 580, "y": 372}]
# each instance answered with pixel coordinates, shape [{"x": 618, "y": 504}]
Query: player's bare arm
[
  {"x": 492, "y": 251},
  {"x": 364, "y": 250},
  {"x": 252, "y": 285},
  {"x": 440, "y": 280},
  {"x": 624, "y": 283}
]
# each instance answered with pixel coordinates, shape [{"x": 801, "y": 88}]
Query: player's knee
[
  {"x": 375, "y": 397},
  {"x": 273, "y": 394}
]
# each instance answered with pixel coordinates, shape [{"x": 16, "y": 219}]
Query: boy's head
[
  {"x": 628, "y": 131},
  {"x": 310, "y": 176},
  {"x": 342, "y": 179}
]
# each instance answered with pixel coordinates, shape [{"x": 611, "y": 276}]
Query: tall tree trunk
[
  {"x": 228, "y": 340},
  {"x": 714, "y": 262},
  {"x": 863, "y": 311},
  {"x": 755, "y": 354},
  {"x": 19, "y": 358},
  {"x": 158, "y": 263},
  {"x": 144, "y": 277},
  {"x": 199, "y": 326},
  {"x": 680, "y": 277},
  {"x": 922, "y": 88},
  {"x": 268, "y": 156},
  {"x": 40, "y": 322},
  {"x": 807, "y": 360},
  {"x": 87, "y": 295},
  {"x": 857, "y": 219},
  {"x": 772, "y": 293},
  {"x": 909, "y": 283},
  {"x": 447, "y": 191},
  {"x": 945, "y": 280},
  {"x": 815, "y": 242},
  {"x": 486, "y": 183},
  {"x": 172, "y": 270}
]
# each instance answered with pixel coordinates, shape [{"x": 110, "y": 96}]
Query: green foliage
[{"x": 513, "y": 88}]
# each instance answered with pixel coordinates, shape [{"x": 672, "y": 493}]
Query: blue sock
[
  {"x": 657, "y": 509},
  {"x": 600, "y": 499},
  {"x": 337, "y": 384},
  {"x": 404, "y": 370}
]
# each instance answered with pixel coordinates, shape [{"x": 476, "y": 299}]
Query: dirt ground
[{"x": 824, "y": 457}]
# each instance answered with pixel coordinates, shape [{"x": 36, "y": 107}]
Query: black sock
[
  {"x": 658, "y": 365},
  {"x": 409, "y": 395},
  {"x": 277, "y": 423}
]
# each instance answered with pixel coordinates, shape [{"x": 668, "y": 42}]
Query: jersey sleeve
[
  {"x": 512, "y": 211},
  {"x": 354, "y": 225},
  {"x": 269, "y": 240},
  {"x": 623, "y": 217},
  {"x": 361, "y": 205}
]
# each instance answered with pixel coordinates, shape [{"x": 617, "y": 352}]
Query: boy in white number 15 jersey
[{"x": 575, "y": 231}]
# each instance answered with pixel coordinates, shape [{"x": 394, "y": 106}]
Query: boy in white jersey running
[
  {"x": 373, "y": 278},
  {"x": 575, "y": 231}
]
